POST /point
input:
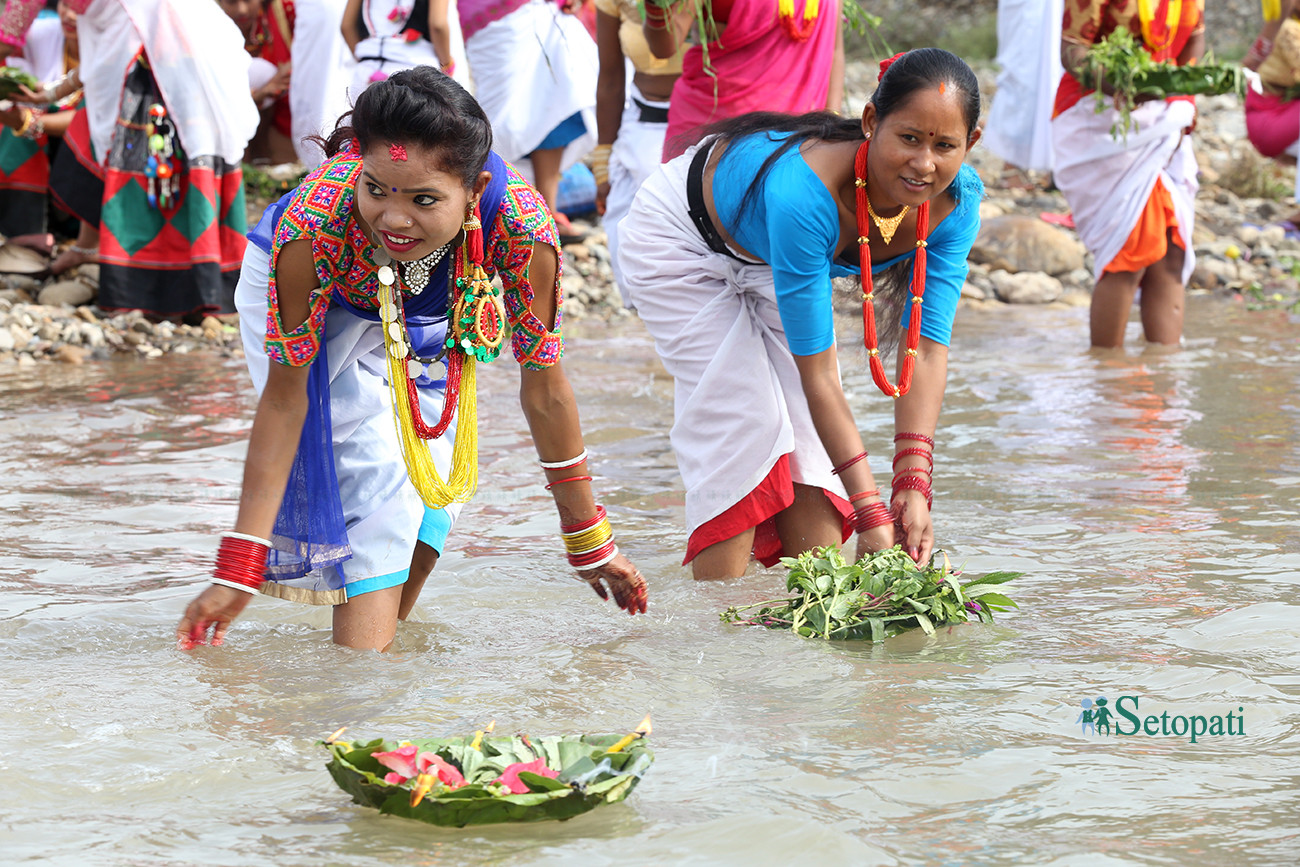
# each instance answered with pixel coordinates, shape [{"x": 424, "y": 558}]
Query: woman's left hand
[
  {"x": 623, "y": 579},
  {"x": 912, "y": 526}
]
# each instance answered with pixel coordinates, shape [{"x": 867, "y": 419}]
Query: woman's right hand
[
  {"x": 602, "y": 193},
  {"x": 624, "y": 580},
  {"x": 216, "y": 608}
]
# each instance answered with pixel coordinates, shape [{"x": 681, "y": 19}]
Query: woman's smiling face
[
  {"x": 411, "y": 207},
  {"x": 917, "y": 148}
]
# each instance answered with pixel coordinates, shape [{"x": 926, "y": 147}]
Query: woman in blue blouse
[{"x": 729, "y": 252}]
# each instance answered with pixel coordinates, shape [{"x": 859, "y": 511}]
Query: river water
[{"x": 1150, "y": 498}]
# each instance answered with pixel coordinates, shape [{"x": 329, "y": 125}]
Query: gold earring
[{"x": 471, "y": 220}]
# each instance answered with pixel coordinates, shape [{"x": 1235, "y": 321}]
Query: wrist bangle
[
  {"x": 871, "y": 516},
  {"x": 919, "y": 437},
  {"x": 563, "y": 465},
  {"x": 569, "y": 479},
  {"x": 835, "y": 471},
  {"x": 26, "y": 125},
  {"x": 241, "y": 562},
  {"x": 449, "y": 68}
]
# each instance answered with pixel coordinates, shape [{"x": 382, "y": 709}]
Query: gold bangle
[{"x": 28, "y": 114}]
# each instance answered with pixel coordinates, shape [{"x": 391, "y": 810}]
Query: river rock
[
  {"x": 1018, "y": 242},
  {"x": 6, "y": 340},
  {"x": 73, "y": 293},
  {"x": 1026, "y": 287},
  {"x": 69, "y": 354}
]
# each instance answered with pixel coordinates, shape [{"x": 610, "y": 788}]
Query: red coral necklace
[{"x": 868, "y": 294}]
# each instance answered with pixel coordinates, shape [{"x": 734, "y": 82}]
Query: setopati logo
[{"x": 1099, "y": 717}]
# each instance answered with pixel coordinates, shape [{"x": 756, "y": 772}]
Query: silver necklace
[{"x": 417, "y": 272}]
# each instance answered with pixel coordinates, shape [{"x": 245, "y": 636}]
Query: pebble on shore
[{"x": 1017, "y": 259}]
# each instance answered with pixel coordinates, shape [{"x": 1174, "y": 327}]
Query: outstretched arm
[
  {"x": 917, "y": 412},
  {"x": 277, "y": 427},
  {"x": 552, "y": 413}
]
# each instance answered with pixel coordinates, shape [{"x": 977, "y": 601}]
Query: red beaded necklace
[{"x": 918, "y": 284}]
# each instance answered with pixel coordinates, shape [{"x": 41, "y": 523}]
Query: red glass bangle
[
  {"x": 915, "y": 451},
  {"x": 900, "y": 474},
  {"x": 920, "y": 438},
  {"x": 874, "y": 492},
  {"x": 850, "y": 462},
  {"x": 569, "y": 479},
  {"x": 241, "y": 561},
  {"x": 584, "y": 525},
  {"x": 656, "y": 16},
  {"x": 871, "y": 516},
  {"x": 913, "y": 483},
  {"x": 594, "y": 559}
]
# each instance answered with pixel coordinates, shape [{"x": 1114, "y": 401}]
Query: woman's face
[
  {"x": 68, "y": 19},
  {"x": 411, "y": 206},
  {"x": 917, "y": 149},
  {"x": 243, "y": 12}
]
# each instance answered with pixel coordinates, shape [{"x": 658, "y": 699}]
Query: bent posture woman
[
  {"x": 728, "y": 254},
  {"x": 344, "y": 302}
]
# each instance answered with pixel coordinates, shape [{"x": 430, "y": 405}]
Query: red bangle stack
[
  {"x": 569, "y": 479},
  {"x": 241, "y": 562},
  {"x": 590, "y": 543},
  {"x": 861, "y": 456},
  {"x": 914, "y": 478},
  {"x": 871, "y": 516}
]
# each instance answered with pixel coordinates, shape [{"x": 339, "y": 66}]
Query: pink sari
[{"x": 758, "y": 68}]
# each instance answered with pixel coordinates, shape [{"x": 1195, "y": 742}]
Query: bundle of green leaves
[
  {"x": 11, "y": 78},
  {"x": 1121, "y": 61},
  {"x": 479, "y": 781},
  {"x": 882, "y": 594}
]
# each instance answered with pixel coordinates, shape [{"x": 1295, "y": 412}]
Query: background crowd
[{"x": 598, "y": 84}]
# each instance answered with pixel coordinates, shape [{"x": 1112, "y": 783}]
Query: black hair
[
  {"x": 928, "y": 67},
  {"x": 423, "y": 107}
]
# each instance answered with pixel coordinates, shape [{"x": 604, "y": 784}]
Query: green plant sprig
[
  {"x": 879, "y": 596},
  {"x": 1122, "y": 61}
]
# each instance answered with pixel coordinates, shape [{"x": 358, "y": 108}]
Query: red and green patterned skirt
[
  {"x": 174, "y": 261},
  {"x": 24, "y": 184}
]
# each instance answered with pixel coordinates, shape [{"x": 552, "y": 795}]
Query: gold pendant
[{"x": 887, "y": 227}]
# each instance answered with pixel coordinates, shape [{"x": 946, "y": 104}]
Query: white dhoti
[
  {"x": 1107, "y": 181},
  {"x": 1029, "y": 56},
  {"x": 634, "y": 157},
  {"x": 383, "y": 512},
  {"x": 533, "y": 69},
  {"x": 738, "y": 401}
]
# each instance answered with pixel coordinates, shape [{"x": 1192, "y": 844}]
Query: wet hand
[
  {"x": 913, "y": 527},
  {"x": 620, "y": 577},
  {"x": 875, "y": 539},
  {"x": 215, "y": 608}
]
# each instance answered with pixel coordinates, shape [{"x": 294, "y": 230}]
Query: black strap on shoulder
[{"x": 698, "y": 213}]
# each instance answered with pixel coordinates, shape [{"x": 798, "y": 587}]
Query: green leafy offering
[
  {"x": 11, "y": 77},
  {"x": 469, "y": 786},
  {"x": 881, "y": 595},
  {"x": 1122, "y": 61}
]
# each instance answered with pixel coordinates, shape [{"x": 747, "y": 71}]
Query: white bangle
[
  {"x": 225, "y": 583},
  {"x": 563, "y": 465},
  {"x": 599, "y": 563},
  {"x": 245, "y": 537}
]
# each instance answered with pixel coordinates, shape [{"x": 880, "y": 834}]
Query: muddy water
[{"x": 1151, "y": 499}]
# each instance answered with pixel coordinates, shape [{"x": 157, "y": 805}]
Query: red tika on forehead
[
  {"x": 943, "y": 87},
  {"x": 397, "y": 153}
]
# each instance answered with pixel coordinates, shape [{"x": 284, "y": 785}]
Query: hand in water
[
  {"x": 915, "y": 531},
  {"x": 624, "y": 580},
  {"x": 215, "y": 608}
]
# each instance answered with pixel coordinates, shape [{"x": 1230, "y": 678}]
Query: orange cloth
[{"x": 1149, "y": 241}]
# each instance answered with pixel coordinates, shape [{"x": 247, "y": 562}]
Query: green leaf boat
[{"x": 486, "y": 780}]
